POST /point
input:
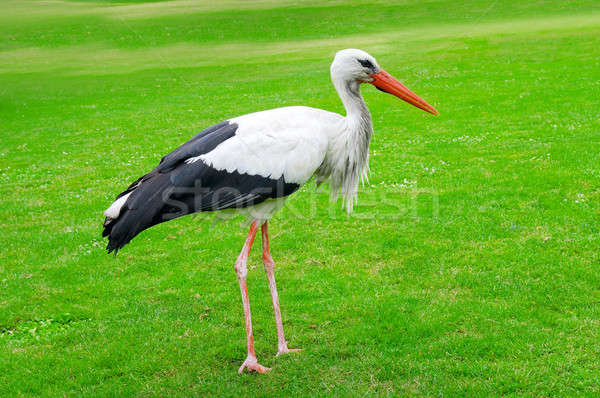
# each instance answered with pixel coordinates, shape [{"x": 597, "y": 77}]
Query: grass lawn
[{"x": 470, "y": 266}]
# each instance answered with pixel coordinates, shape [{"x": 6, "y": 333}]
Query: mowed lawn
[{"x": 471, "y": 264}]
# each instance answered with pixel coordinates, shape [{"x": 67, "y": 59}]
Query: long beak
[{"x": 388, "y": 83}]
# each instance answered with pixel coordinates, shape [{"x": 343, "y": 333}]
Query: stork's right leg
[
  {"x": 241, "y": 270},
  {"x": 270, "y": 270}
]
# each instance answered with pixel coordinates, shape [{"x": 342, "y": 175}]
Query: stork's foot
[
  {"x": 253, "y": 366},
  {"x": 285, "y": 350}
]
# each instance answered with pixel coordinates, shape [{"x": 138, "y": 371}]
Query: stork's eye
[{"x": 366, "y": 63}]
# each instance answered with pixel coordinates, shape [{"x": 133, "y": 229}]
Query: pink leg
[
  {"x": 270, "y": 270},
  {"x": 242, "y": 271}
]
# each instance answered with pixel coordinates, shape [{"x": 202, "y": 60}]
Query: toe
[
  {"x": 261, "y": 369},
  {"x": 253, "y": 366},
  {"x": 288, "y": 350}
]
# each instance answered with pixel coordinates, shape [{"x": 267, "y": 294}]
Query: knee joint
[{"x": 241, "y": 270}]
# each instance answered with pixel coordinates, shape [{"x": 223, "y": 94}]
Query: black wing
[{"x": 176, "y": 188}]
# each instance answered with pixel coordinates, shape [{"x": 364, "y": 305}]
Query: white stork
[{"x": 252, "y": 163}]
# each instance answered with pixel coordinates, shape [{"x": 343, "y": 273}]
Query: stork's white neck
[
  {"x": 348, "y": 162},
  {"x": 357, "y": 113}
]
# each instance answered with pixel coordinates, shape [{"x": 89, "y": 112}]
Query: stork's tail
[
  {"x": 120, "y": 230},
  {"x": 136, "y": 209},
  {"x": 114, "y": 244}
]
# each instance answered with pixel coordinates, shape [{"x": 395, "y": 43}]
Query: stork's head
[{"x": 356, "y": 66}]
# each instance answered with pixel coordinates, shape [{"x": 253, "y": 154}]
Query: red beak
[{"x": 388, "y": 83}]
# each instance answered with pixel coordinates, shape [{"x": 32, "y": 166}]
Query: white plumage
[
  {"x": 115, "y": 208},
  {"x": 290, "y": 142}
]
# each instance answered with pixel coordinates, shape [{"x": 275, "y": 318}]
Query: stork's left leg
[
  {"x": 270, "y": 270},
  {"x": 241, "y": 270}
]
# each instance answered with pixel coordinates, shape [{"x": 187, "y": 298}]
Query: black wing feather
[
  {"x": 201, "y": 143},
  {"x": 175, "y": 188}
]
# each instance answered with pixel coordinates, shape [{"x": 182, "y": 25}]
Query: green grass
[{"x": 470, "y": 267}]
